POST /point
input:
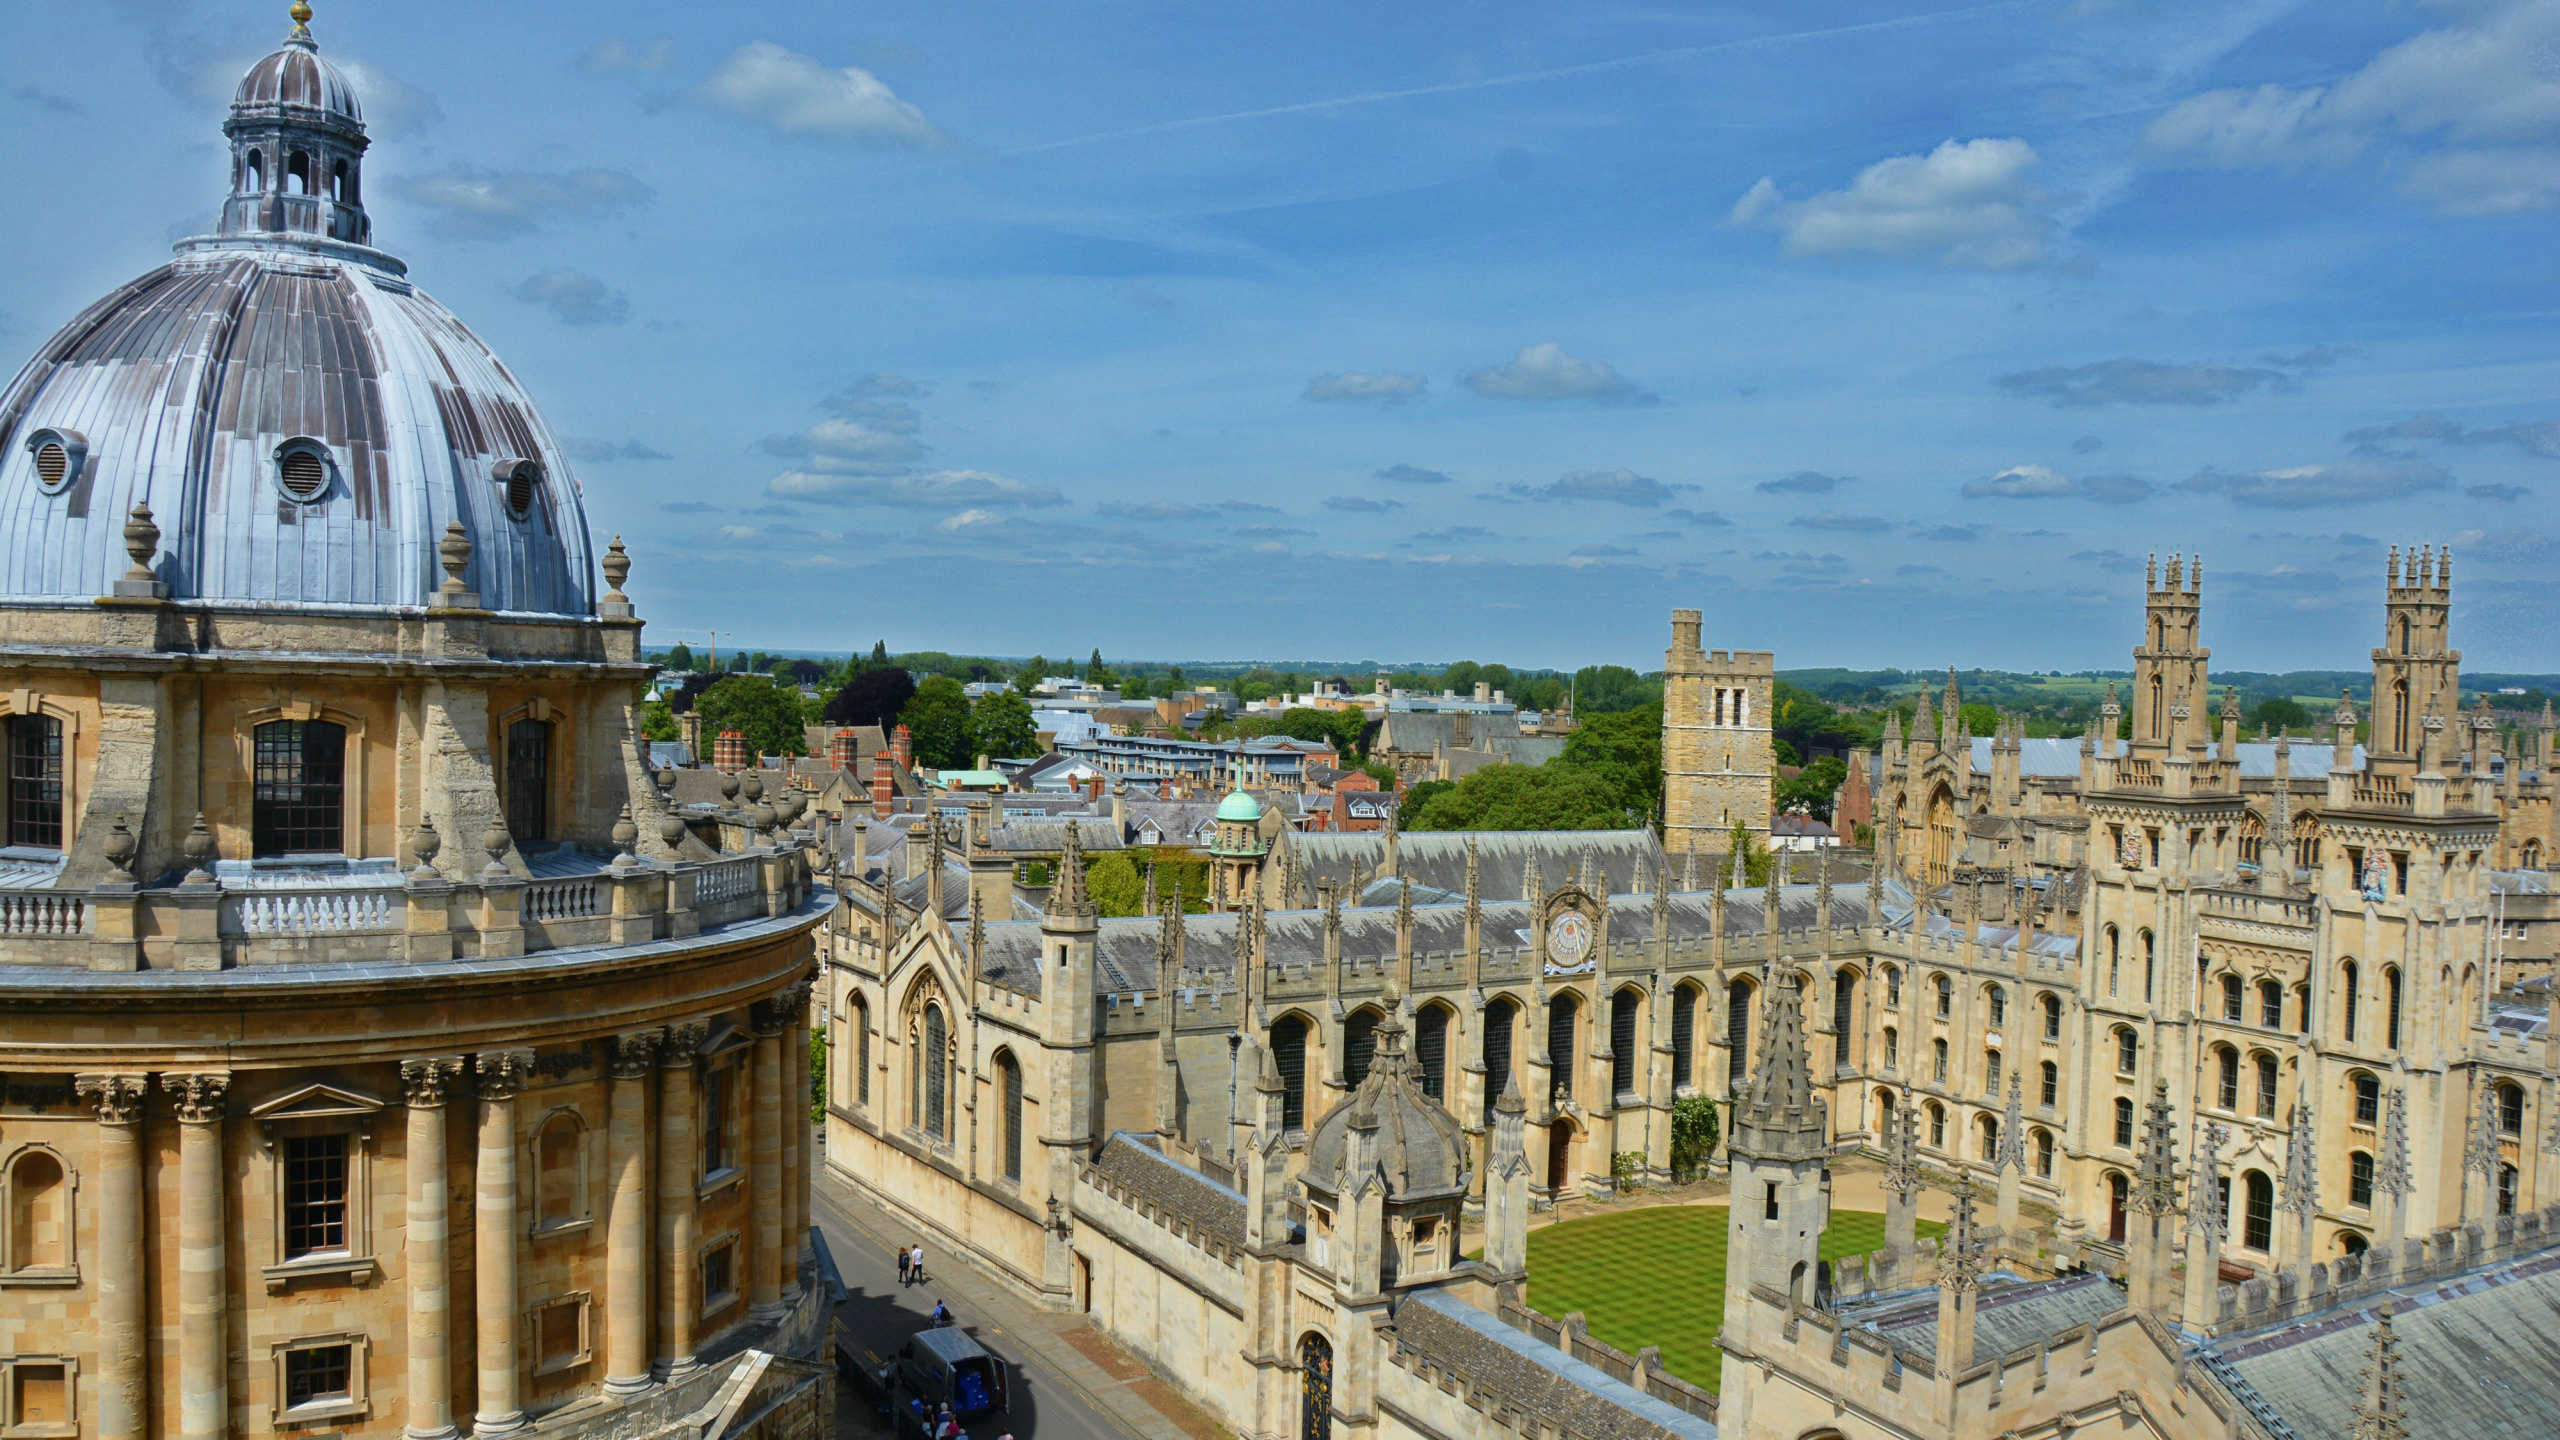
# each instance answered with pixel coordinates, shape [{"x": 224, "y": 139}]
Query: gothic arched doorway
[
  {"x": 2115, "y": 1208},
  {"x": 1559, "y": 1155},
  {"x": 1315, "y": 1400}
]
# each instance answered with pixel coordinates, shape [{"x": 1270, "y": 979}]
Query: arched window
[
  {"x": 933, "y": 1071},
  {"x": 1499, "y": 1018},
  {"x": 256, "y": 174},
  {"x": 529, "y": 781},
  {"x": 1684, "y": 1030},
  {"x": 2400, "y": 713},
  {"x": 2360, "y": 1179},
  {"x": 1892, "y": 1047},
  {"x": 2044, "y": 1154},
  {"x": 2124, "y": 1123},
  {"x": 2266, "y": 1085},
  {"x": 39, "y": 1213},
  {"x": 1562, "y": 1013},
  {"x": 297, "y": 173},
  {"x": 560, "y": 1171},
  {"x": 1844, "y": 1014},
  {"x": 2270, "y": 1005},
  {"x": 2506, "y": 1189},
  {"x": 1359, "y": 1044},
  {"x": 1937, "y": 1126},
  {"x": 1893, "y": 986},
  {"x": 298, "y": 788},
  {"x": 2159, "y": 719},
  {"x": 1990, "y": 1138},
  {"x": 35, "y": 781},
  {"x": 2049, "y": 1091},
  {"x": 2511, "y": 1109},
  {"x": 2404, "y": 638},
  {"x": 1289, "y": 1057},
  {"x": 2368, "y": 1100},
  {"x": 1946, "y": 997},
  {"x": 1315, "y": 1388},
  {"x": 1998, "y": 1000},
  {"x": 338, "y": 182},
  {"x": 2347, "y": 989},
  {"x": 2150, "y": 965},
  {"x": 2258, "y": 1224},
  {"x": 2052, "y": 1017},
  {"x": 1991, "y": 1073},
  {"x": 2227, "y": 1065},
  {"x": 2391, "y": 1006},
  {"x": 1737, "y": 1034},
  {"x": 2128, "y": 1052},
  {"x": 1622, "y": 1045},
  {"x": 861, "y": 1049},
  {"x": 1009, "y": 1089},
  {"x": 2231, "y": 997},
  {"x": 2115, "y": 1207},
  {"x": 1431, "y": 1051},
  {"x": 1938, "y": 1062},
  {"x": 2114, "y": 958}
]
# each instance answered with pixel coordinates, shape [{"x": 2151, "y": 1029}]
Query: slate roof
[
  {"x": 1438, "y": 858},
  {"x": 1172, "y": 1187},
  {"x": 2004, "y": 1319},
  {"x": 2479, "y": 1355},
  {"x": 1415, "y": 732},
  {"x": 1501, "y": 1364},
  {"x": 2057, "y": 757}
]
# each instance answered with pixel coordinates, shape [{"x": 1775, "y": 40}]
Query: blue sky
[{"x": 1885, "y": 337}]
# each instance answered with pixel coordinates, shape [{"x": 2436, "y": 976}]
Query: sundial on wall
[{"x": 1568, "y": 942}]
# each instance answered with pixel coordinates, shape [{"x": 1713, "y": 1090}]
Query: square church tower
[{"x": 1717, "y": 759}]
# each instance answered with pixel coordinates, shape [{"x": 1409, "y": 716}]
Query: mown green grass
[{"x": 1656, "y": 1276}]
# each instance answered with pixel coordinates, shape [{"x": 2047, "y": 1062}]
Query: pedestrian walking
[
  {"x": 906, "y": 1258},
  {"x": 919, "y": 1259}
]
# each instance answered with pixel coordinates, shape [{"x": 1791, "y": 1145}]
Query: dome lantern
[{"x": 297, "y": 146}]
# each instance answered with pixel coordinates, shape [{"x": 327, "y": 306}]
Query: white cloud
[
  {"x": 938, "y": 490},
  {"x": 492, "y": 204},
  {"x": 1966, "y": 204},
  {"x": 654, "y": 58},
  {"x": 847, "y": 447},
  {"x": 1385, "y": 389},
  {"x": 2359, "y": 481},
  {"x": 1608, "y": 487},
  {"x": 576, "y": 297},
  {"x": 392, "y": 107},
  {"x": 797, "y": 97},
  {"x": 2466, "y": 116},
  {"x": 1544, "y": 372},
  {"x": 2139, "y": 382},
  {"x": 2024, "y": 482}
]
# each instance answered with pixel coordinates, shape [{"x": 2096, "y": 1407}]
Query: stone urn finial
[
  {"x": 198, "y": 848},
  {"x": 626, "y": 833},
  {"x": 671, "y": 828},
  {"x": 617, "y": 568},
  {"x": 424, "y": 844},
  {"x": 764, "y": 820},
  {"x": 141, "y": 541},
  {"x": 753, "y": 788},
  {"x": 728, "y": 787},
  {"x": 494, "y": 840},
  {"x": 454, "y": 550},
  {"x": 120, "y": 848},
  {"x": 666, "y": 781}
]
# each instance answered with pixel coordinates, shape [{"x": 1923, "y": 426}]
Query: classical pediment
[{"x": 314, "y": 1102}]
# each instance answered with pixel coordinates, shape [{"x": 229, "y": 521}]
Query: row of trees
[{"x": 1608, "y": 778}]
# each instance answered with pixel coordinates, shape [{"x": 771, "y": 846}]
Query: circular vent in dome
[
  {"x": 518, "y": 479},
  {"x": 302, "y": 469},
  {"x": 58, "y": 454}
]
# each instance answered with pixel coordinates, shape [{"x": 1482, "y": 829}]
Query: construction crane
[{"x": 714, "y": 636}]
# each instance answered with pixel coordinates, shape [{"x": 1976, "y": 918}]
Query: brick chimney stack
[
  {"x": 841, "y": 752},
  {"x": 729, "y": 751},
  {"x": 883, "y": 796},
  {"x": 902, "y": 748}
]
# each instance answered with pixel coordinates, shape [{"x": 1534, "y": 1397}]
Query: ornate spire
[
  {"x": 2480, "y": 1151},
  {"x": 1780, "y": 1117},
  {"x": 1067, "y": 898},
  {"x": 1902, "y": 1176},
  {"x": 1963, "y": 1257},
  {"x": 2155, "y": 1188},
  {"x": 2391, "y": 1168},
  {"x": 2013, "y": 1131},
  {"x": 1475, "y": 883},
  {"x": 2382, "y": 1408},
  {"x": 2301, "y": 1197},
  {"x": 2204, "y": 1191}
]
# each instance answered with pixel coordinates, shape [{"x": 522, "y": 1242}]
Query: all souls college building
[
  {"x": 378, "y": 1055},
  {"x": 2243, "y": 989}
]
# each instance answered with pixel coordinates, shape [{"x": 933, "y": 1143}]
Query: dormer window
[
  {"x": 58, "y": 456},
  {"x": 303, "y": 469},
  {"x": 517, "y": 480}
]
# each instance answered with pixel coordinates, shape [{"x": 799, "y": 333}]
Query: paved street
[{"x": 1065, "y": 1385}]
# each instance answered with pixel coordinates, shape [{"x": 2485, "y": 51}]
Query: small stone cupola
[
  {"x": 297, "y": 146},
  {"x": 1386, "y": 1173}
]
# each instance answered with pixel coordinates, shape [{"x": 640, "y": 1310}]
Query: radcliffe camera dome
[{"x": 302, "y": 421}]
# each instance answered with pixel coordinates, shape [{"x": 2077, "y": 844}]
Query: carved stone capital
[
  {"x": 118, "y": 1098},
  {"x": 502, "y": 1073},
  {"x": 632, "y": 1055},
  {"x": 201, "y": 1095},
  {"x": 774, "y": 1014},
  {"x": 428, "y": 1080},
  {"x": 684, "y": 1038}
]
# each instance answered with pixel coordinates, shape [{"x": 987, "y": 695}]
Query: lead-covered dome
[
  {"x": 1415, "y": 1143},
  {"x": 301, "y": 419}
]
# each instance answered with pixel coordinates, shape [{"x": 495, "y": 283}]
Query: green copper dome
[{"x": 1239, "y": 806}]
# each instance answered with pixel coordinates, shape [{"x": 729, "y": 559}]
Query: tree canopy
[
  {"x": 1525, "y": 797},
  {"x": 1623, "y": 749},
  {"x": 765, "y": 713},
  {"x": 873, "y": 697},
  {"x": 1815, "y": 791},
  {"x": 1000, "y": 725},
  {"x": 938, "y": 714},
  {"x": 678, "y": 657}
]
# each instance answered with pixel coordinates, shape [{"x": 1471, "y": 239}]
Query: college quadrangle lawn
[{"x": 1656, "y": 1276}]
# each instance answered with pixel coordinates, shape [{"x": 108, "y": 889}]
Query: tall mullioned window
[
  {"x": 297, "y": 795},
  {"x": 35, "y": 781},
  {"x": 315, "y": 1194}
]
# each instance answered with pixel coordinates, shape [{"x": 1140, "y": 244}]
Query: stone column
[
  {"x": 626, "y": 1236},
  {"x": 771, "y": 1018},
  {"x": 493, "y": 1246},
  {"x": 204, "y": 1347},
  {"x": 794, "y": 1102},
  {"x": 124, "y": 1385},
  {"x": 679, "y": 1299},
  {"x": 430, "y": 1247}
]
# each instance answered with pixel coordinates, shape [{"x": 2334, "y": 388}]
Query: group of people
[
  {"x": 911, "y": 1264},
  {"x": 942, "y": 1424}
]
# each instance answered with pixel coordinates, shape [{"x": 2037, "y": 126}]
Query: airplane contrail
[{"x": 1525, "y": 77}]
